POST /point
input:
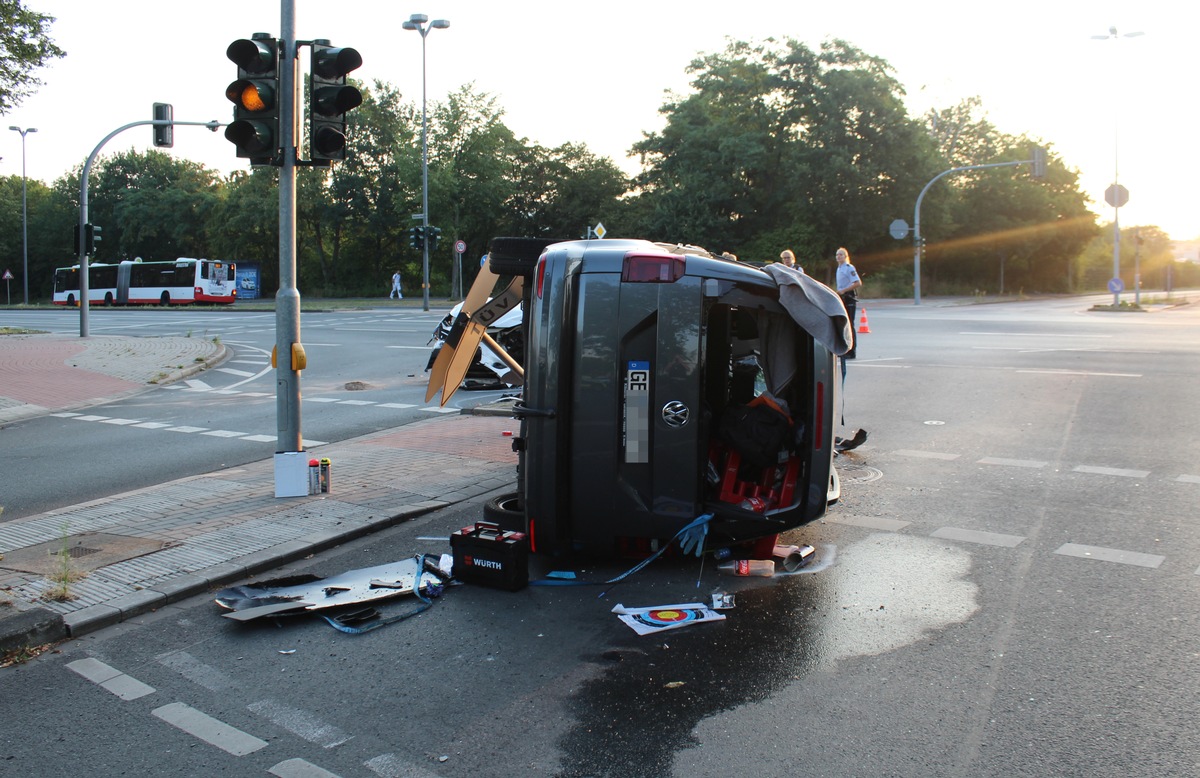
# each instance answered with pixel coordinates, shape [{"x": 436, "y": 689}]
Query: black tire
[
  {"x": 516, "y": 256},
  {"x": 70, "y": 301},
  {"x": 108, "y": 299},
  {"x": 505, "y": 510},
  {"x": 165, "y": 300}
]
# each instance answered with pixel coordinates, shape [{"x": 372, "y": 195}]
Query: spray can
[
  {"x": 314, "y": 476},
  {"x": 325, "y": 463},
  {"x": 764, "y": 568}
]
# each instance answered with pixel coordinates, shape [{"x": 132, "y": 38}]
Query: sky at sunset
[{"x": 597, "y": 73}]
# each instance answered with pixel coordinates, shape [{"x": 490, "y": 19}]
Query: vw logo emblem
[{"x": 675, "y": 414}]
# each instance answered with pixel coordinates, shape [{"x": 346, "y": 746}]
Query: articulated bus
[{"x": 180, "y": 282}]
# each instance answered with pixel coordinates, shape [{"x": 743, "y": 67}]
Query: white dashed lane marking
[
  {"x": 870, "y": 522},
  {"x": 1034, "y": 463},
  {"x": 298, "y": 768},
  {"x": 212, "y": 731},
  {"x": 300, "y": 723},
  {"x": 1115, "y": 471},
  {"x": 904, "y": 452},
  {"x": 110, "y": 679},
  {"x": 978, "y": 536},
  {"x": 1110, "y": 555}
]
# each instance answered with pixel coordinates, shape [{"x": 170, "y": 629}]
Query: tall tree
[
  {"x": 780, "y": 145},
  {"x": 998, "y": 229},
  {"x": 152, "y": 205},
  {"x": 25, "y": 46}
]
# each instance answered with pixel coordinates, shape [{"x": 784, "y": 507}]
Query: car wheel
[
  {"x": 516, "y": 256},
  {"x": 505, "y": 510}
]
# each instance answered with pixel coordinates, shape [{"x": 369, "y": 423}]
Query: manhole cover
[
  {"x": 87, "y": 551},
  {"x": 356, "y": 386},
  {"x": 855, "y": 473}
]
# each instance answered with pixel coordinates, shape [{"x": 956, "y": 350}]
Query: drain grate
[
  {"x": 856, "y": 473},
  {"x": 77, "y": 552},
  {"x": 87, "y": 551}
]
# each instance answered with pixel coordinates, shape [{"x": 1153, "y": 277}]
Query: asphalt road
[
  {"x": 1006, "y": 588},
  {"x": 366, "y": 373}
]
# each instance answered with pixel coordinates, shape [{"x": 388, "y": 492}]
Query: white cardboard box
[{"x": 291, "y": 474}]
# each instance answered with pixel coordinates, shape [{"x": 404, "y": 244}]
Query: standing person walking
[
  {"x": 848, "y": 284},
  {"x": 396, "y": 291}
]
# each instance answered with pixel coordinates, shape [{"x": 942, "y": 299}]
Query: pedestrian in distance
[
  {"x": 787, "y": 257},
  {"x": 396, "y": 290},
  {"x": 848, "y": 283}
]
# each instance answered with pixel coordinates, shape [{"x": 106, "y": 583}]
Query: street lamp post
[
  {"x": 1116, "y": 184},
  {"x": 417, "y": 22},
  {"x": 24, "y": 214}
]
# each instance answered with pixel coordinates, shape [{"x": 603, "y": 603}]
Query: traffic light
[
  {"x": 1039, "y": 162},
  {"x": 91, "y": 236},
  {"x": 255, "y": 93},
  {"x": 435, "y": 234},
  {"x": 164, "y": 134},
  {"x": 416, "y": 237},
  {"x": 329, "y": 98}
]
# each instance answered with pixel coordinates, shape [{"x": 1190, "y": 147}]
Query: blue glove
[{"x": 691, "y": 537}]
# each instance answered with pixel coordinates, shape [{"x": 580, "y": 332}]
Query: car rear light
[
  {"x": 199, "y": 290},
  {"x": 541, "y": 275},
  {"x": 819, "y": 427},
  {"x": 652, "y": 268},
  {"x": 532, "y": 535}
]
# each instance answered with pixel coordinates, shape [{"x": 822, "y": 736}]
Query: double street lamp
[
  {"x": 24, "y": 213},
  {"x": 418, "y": 22}
]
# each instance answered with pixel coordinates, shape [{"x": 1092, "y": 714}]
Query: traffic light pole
[
  {"x": 290, "y": 359},
  {"x": 83, "y": 207},
  {"x": 917, "y": 247}
]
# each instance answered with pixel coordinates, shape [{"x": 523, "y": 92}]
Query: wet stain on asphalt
[{"x": 883, "y": 592}]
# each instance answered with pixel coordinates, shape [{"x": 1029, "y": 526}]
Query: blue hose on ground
[{"x": 691, "y": 540}]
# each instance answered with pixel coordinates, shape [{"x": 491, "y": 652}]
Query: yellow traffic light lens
[{"x": 252, "y": 100}]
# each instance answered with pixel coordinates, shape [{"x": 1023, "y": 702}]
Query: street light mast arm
[{"x": 917, "y": 217}]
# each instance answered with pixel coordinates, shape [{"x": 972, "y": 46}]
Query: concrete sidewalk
[{"x": 142, "y": 549}]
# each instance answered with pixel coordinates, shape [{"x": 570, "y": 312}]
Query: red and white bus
[{"x": 180, "y": 282}]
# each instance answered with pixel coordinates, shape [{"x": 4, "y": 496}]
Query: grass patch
[
  {"x": 20, "y": 331},
  {"x": 64, "y": 575}
]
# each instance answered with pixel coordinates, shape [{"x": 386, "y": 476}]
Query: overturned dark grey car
[{"x": 663, "y": 383}]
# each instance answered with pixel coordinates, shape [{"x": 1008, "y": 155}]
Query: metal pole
[
  {"x": 424, "y": 180},
  {"x": 287, "y": 299},
  {"x": 1116, "y": 200},
  {"x": 83, "y": 207},
  {"x": 24, "y": 222},
  {"x": 24, "y": 213}
]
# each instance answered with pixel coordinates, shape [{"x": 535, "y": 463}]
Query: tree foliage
[
  {"x": 775, "y": 145},
  {"x": 25, "y": 46}
]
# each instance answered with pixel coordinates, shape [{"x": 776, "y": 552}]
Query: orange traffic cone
[{"x": 862, "y": 325}]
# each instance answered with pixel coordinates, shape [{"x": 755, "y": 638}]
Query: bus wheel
[
  {"x": 165, "y": 300},
  {"x": 70, "y": 301},
  {"x": 108, "y": 299}
]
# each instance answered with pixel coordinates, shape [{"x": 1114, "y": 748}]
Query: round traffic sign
[
  {"x": 460, "y": 246},
  {"x": 1116, "y": 195},
  {"x": 1116, "y": 285}
]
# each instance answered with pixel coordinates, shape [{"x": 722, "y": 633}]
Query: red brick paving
[{"x": 33, "y": 373}]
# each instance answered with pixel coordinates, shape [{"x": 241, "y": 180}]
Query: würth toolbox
[{"x": 487, "y": 555}]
